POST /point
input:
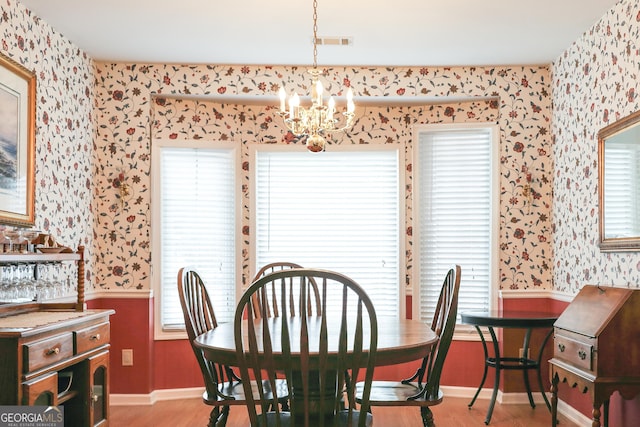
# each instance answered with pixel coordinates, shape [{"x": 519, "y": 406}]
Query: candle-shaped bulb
[
  {"x": 331, "y": 108},
  {"x": 294, "y": 103},
  {"x": 350, "y": 105},
  {"x": 283, "y": 97},
  {"x": 319, "y": 90}
]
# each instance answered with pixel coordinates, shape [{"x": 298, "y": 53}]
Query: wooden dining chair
[
  {"x": 271, "y": 308},
  {"x": 222, "y": 386},
  {"x": 423, "y": 388},
  {"x": 314, "y": 352}
]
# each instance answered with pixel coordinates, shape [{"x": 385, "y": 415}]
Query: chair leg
[
  {"x": 213, "y": 416},
  {"x": 218, "y": 418},
  {"x": 224, "y": 416},
  {"x": 427, "y": 416}
]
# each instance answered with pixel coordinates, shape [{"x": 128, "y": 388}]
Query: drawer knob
[
  {"x": 95, "y": 337},
  {"x": 53, "y": 351},
  {"x": 561, "y": 347},
  {"x": 582, "y": 354}
]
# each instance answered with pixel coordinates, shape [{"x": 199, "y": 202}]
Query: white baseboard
[
  {"x": 466, "y": 392},
  {"x": 573, "y": 415},
  {"x": 155, "y": 396},
  {"x": 463, "y": 392}
]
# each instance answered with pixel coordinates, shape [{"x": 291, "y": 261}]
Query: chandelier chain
[{"x": 315, "y": 34}]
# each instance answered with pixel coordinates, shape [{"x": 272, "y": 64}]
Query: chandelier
[{"x": 317, "y": 119}]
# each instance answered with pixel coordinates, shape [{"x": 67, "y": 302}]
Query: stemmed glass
[
  {"x": 7, "y": 284},
  {"x": 14, "y": 235},
  {"x": 26, "y": 282},
  {"x": 43, "y": 285},
  {"x": 29, "y": 236}
]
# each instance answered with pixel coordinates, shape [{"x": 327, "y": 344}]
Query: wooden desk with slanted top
[{"x": 596, "y": 347}]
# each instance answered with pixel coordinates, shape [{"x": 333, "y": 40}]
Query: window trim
[
  {"x": 400, "y": 149},
  {"x": 156, "y": 250},
  {"x": 463, "y": 332}
]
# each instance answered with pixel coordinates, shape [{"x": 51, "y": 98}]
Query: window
[
  {"x": 194, "y": 207},
  {"x": 622, "y": 183},
  {"x": 455, "y": 209},
  {"x": 339, "y": 210}
]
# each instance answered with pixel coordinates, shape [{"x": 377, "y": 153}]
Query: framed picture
[{"x": 17, "y": 143}]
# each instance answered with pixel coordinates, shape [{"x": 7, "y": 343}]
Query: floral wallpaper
[
  {"x": 595, "y": 83},
  {"x": 96, "y": 121},
  {"x": 141, "y": 102},
  {"x": 65, "y": 130}
]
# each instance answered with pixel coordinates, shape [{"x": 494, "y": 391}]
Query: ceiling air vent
[{"x": 334, "y": 41}]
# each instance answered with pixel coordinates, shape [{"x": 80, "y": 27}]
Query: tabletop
[
  {"x": 509, "y": 319},
  {"x": 399, "y": 340}
]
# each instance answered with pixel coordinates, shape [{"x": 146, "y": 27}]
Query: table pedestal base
[{"x": 510, "y": 363}]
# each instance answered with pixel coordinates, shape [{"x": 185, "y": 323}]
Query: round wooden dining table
[{"x": 399, "y": 340}]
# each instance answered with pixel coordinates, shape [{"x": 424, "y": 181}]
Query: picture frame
[{"x": 17, "y": 143}]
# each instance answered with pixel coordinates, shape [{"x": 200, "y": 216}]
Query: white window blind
[
  {"x": 337, "y": 210},
  {"x": 454, "y": 215},
  {"x": 197, "y": 215},
  {"x": 622, "y": 189}
]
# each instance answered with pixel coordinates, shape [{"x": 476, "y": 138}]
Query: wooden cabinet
[
  {"x": 596, "y": 344},
  {"x": 57, "y": 357},
  {"x": 56, "y": 353}
]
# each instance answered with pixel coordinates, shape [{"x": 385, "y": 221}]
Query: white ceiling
[{"x": 279, "y": 32}]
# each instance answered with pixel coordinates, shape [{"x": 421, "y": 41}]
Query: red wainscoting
[
  {"x": 170, "y": 364},
  {"x": 176, "y": 366},
  {"x": 131, "y": 328}
]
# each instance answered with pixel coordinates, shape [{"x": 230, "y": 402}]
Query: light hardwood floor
[{"x": 452, "y": 413}]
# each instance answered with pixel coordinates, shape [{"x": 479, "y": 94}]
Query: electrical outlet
[{"x": 127, "y": 357}]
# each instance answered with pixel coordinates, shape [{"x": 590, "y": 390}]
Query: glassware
[
  {"x": 26, "y": 283},
  {"x": 44, "y": 286},
  {"x": 8, "y": 283},
  {"x": 29, "y": 236},
  {"x": 14, "y": 235}
]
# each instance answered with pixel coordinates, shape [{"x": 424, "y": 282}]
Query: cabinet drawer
[
  {"x": 91, "y": 337},
  {"x": 48, "y": 351},
  {"x": 575, "y": 352}
]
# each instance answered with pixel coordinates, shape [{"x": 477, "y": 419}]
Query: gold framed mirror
[{"x": 619, "y": 184}]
